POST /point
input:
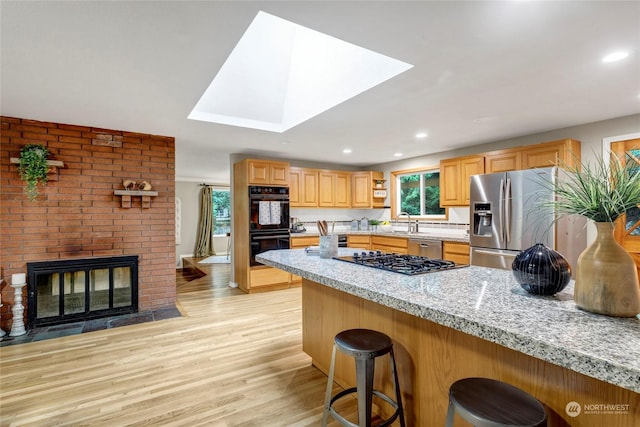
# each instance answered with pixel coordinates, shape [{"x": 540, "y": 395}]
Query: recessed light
[
  {"x": 421, "y": 135},
  {"x": 397, "y": 154},
  {"x": 347, "y": 151},
  {"x": 615, "y": 56}
]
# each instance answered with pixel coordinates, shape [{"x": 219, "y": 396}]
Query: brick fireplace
[{"x": 77, "y": 214}]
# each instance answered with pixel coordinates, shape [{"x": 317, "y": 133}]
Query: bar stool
[
  {"x": 364, "y": 346},
  {"x": 490, "y": 403}
]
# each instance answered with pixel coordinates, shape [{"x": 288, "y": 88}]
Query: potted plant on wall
[
  {"x": 33, "y": 168},
  {"x": 606, "y": 279}
]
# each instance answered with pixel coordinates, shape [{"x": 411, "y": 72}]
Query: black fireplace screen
[{"x": 80, "y": 289}]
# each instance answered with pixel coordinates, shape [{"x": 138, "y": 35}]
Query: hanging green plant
[{"x": 33, "y": 168}]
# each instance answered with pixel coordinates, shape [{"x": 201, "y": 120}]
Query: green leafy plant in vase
[
  {"x": 33, "y": 168},
  {"x": 606, "y": 279}
]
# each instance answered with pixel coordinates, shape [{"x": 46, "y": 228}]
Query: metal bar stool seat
[
  {"x": 486, "y": 402},
  {"x": 364, "y": 346}
]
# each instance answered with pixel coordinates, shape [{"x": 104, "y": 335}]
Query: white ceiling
[{"x": 483, "y": 71}]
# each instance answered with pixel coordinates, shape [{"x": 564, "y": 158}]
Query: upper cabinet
[
  {"x": 364, "y": 191},
  {"x": 502, "y": 161},
  {"x": 342, "y": 190},
  {"x": 454, "y": 179},
  {"x": 267, "y": 172},
  {"x": 562, "y": 152},
  {"x": 455, "y": 173},
  {"x": 303, "y": 187},
  {"x": 334, "y": 189}
]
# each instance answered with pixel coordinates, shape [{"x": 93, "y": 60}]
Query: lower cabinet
[
  {"x": 397, "y": 245},
  {"x": 359, "y": 241},
  {"x": 268, "y": 278},
  {"x": 457, "y": 252}
]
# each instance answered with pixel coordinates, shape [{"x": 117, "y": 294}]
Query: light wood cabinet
[
  {"x": 361, "y": 190},
  {"x": 390, "y": 244},
  {"x": 554, "y": 153},
  {"x": 334, "y": 189},
  {"x": 342, "y": 190},
  {"x": 363, "y": 187},
  {"x": 502, "y": 161},
  {"x": 454, "y": 179},
  {"x": 457, "y": 252},
  {"x": 358, "y": 241},
  {"x": 326, "y": 181},
  {"x": 267, "y": 172},
  {"x": 249, "y": 172},
  {"x": 268, "y": 278},
  {"x": 298, "y": 242},
  {"x": 455, "y": 173},
  {"x": 303, "y": 187}
]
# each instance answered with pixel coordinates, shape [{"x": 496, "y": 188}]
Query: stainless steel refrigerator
[{"x": 506, "y": 217}]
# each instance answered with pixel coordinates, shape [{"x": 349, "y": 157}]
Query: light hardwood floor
[{"x": 232, "y": 360}]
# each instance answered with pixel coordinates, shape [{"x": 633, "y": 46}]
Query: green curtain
[{"x": 204, "y": 240}]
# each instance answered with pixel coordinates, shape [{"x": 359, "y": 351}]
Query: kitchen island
[{"x": 473, "y": 321}]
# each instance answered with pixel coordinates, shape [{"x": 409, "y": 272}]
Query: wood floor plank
[{"x": 232, "y": 359}]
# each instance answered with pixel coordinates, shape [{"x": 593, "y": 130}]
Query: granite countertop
[{"x": 489, "y": 303}]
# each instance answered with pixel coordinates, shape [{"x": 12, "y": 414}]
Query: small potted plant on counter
[
  {"x": 33, "y": 168},
  {"x": 606, "y": 279},
  {"x": 373, "y": 224}
]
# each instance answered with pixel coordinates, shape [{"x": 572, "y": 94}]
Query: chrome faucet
[{"x": 408, "y": 220}]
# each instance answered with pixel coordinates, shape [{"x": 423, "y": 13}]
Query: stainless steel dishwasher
[{"x": 425, "y": 247}]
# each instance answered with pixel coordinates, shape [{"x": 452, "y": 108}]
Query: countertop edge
[{"x": 620, "y": 376}]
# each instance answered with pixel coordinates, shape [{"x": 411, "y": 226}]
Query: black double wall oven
[{"x": 268, "y": 219}]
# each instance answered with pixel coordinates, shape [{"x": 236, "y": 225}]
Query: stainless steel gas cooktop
[{"x": 400, "y": 263}]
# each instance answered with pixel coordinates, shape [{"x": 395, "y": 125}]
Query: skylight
[{"x": 281, "y": 74}]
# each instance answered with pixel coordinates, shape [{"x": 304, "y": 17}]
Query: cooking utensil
[{"x": 322, "y": 227}]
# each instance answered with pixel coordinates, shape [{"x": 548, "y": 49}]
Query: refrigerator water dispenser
[{"x": 482, "y": 219}]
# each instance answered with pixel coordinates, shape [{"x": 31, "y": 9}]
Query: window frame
[
  {"x": 395, "y": 199},
  {"x": 213, "y": 209}
]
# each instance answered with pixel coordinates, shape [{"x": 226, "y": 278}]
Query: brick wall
[{"x": 77, "y": 215}]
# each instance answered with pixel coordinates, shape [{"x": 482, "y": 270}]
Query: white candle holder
[{"x": 17, "y": 327}]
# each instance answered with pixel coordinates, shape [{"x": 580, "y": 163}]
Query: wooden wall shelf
[
  {"x": 127, "y": 194},
  {"x": 54, "y": 165}
]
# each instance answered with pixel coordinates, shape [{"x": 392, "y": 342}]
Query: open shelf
[{"x": 54, "y": 165}]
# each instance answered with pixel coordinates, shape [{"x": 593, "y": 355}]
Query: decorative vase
[
  {"x": 541, "y": 271},
  {"x": 606, "y": 277}
]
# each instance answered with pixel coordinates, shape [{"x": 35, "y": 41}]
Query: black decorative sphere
[{"x": 541, "y": 270}]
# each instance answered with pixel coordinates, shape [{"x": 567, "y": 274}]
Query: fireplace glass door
[{"x": 65, "y": 291}]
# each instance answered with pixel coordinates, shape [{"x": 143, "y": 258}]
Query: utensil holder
[{"x": 329, "y": 246}]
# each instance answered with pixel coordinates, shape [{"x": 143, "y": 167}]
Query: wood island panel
[{"x": 431, "y": 357}]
